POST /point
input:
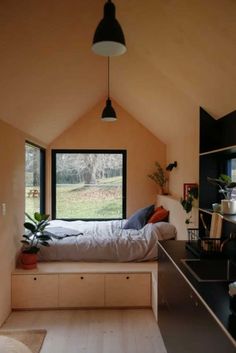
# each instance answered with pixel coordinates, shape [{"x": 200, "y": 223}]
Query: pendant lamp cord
[{"x": 108, "y": 76}]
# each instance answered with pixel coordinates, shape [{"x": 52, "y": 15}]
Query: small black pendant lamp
[
  {"x": 108, "y": 113},
  {"x": 109, "y": 38}
]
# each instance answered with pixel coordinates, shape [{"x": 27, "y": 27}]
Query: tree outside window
[{"x": 89, "y": 184}]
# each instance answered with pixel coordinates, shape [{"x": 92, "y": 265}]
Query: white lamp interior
[{"x": 108, "y": 48}]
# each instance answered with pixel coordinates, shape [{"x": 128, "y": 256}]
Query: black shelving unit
[{"x": 217, "y": 146}]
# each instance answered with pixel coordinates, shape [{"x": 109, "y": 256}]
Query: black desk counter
[{"x": 214, "y": 294}]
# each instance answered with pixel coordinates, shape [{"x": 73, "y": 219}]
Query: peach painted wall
[
  {"x": 12, "y": 181},
  {"x": 11, "y": 193},
  {"x": 143, "y": 149},
  {"x": 185, "y": 150}
]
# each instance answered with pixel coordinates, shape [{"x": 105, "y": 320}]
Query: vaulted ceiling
[{"x": 179, "y": 52}]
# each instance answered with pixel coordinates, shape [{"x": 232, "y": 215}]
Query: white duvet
[{"x": 103, "y": 241}]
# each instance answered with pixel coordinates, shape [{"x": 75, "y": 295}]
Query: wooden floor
[{"x": 93, "y": 331}]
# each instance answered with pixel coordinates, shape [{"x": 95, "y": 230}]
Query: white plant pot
[{"x": 228, "y": 206}]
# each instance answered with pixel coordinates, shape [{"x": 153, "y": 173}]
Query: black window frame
[
  {"x": 95, "y": 151},
  {"x": 42, "y": 180}
]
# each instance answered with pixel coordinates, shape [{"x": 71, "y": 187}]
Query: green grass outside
[{"x": 103, "y": 200}]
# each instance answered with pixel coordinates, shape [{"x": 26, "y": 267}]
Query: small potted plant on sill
[
  {"x": 226, "y": 186},
  {"x": 33, "y": 239},
  {"x": 159, "y": 178}
]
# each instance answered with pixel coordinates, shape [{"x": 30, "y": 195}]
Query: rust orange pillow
[{"x": 160, "y": 215}]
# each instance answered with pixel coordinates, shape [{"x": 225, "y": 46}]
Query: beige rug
[{"x": 33, "y": 339}]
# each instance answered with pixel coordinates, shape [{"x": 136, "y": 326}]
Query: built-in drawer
[
  {"x": 34, "y": 291},
  {"x": 128, "y": 289},
  {"x": 81, "y": 290},
  {"x": 76, "y": 290}
]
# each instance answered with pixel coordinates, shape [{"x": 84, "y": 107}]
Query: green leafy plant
[
  {"x": 225, "y": 184},
  {"x": 158, "y": 176},
  {"x": 187, "y": 203},
  {"x": 35, "y": 236}
]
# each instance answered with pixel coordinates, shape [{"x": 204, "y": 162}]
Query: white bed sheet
[{"x": 104, "y": 241}]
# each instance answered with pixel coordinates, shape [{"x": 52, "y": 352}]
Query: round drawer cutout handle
[
  {"x": 81, "y": 277},
  {"x": 127, "y": 277},
  {"x": 35, "y": 278}
]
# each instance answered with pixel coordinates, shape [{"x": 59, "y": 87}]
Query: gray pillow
[{"x": 139, "y": 218}]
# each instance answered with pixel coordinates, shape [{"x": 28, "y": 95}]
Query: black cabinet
[
  {"x": 217, "y": 134},
  {"x": 217, "y": 149},
  {"x": 185, "y": 323},
  {"x": 209, "y": 132}
]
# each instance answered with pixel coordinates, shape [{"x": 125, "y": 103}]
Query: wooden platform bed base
[{"x": 63, "y": 285}]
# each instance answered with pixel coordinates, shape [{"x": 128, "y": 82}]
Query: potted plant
[
  {"x": 188, "y": 202},
  {"x": 226, "y": 186},
  {"x": 159, "y": 177},
  {"x": 33, "y": 239}
]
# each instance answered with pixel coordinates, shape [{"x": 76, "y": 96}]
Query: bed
[{"x": 95, "y": 241}]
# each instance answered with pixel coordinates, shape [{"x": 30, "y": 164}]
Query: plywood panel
[
  {"x": 89, "y": 267},
  {"x": 81, "y": 290},
  {"x": 32, "y": 291},
  {"x": 127, "y": 289}
]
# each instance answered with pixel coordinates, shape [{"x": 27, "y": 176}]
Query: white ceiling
[{"x": 181, "y": 54}]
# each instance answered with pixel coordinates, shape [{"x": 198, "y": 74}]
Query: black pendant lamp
[
  {"x": 108, "y": 113},
  {"x": 109, "y": 38}
]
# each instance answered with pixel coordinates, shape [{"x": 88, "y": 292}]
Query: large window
[
  {"x": 34, "y": 179},
  {"x": 89, "y": 184}
]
